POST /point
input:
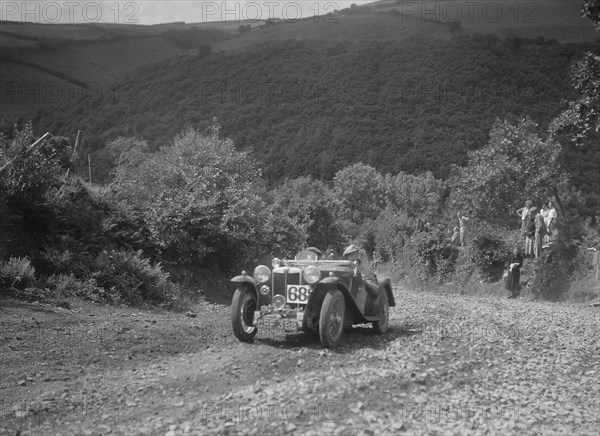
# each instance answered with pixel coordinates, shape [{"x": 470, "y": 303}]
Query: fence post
[{"x": 89, "y": 168}]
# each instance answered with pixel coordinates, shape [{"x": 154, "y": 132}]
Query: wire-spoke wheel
[
  {"x": 381, "y": 326},
  {"x": 243, "y": 306},
  {"x": 331, "y": 321}
]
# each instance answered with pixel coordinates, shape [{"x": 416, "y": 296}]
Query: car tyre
[
  {"x": 243, "y": 306},
  {"x": 331, "y": 320},
  {"x": 381, "y": 326}
]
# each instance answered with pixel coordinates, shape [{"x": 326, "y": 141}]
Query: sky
[{"x": 164, "y": 11}]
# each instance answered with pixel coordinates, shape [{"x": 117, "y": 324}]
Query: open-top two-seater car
[{"x": 308, "y": 294}]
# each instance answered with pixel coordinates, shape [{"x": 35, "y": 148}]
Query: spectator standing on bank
[
  {"x": 524, "y": 214},
  {"x": 455, "y": 237},
  {"x": 545, "y": 211},
  {"x": 513, "y": 278},
  {"x": 530, "y": 233},
  {"x": 551, "y": 224},
  {"x": 462, "y": 227},
  {"x": 540, "y": 232}
]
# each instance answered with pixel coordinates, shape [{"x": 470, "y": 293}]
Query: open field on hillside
[
  {"x": 104, "y": 63},
  {"x": 557, "y": 19}
]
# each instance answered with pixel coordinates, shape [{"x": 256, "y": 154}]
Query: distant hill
[
  {"x": 394, "y": 86},
  {"x": 46, "y": 65},
  {"x": 558, "y": 19},
  {"x": 313, "y": 107}
]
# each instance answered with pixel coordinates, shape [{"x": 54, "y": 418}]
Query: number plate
[
  {"x": 298, "y": 294},
  {"x": 278, "y": 324}
]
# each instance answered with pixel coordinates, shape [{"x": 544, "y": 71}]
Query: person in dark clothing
[{"x": 514, "y": 265}]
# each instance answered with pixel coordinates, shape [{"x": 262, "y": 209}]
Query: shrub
[
  {"x": 67, "y": 285},
  {"x": 16, "y": 274},
  {"x": 27, "y": 172},
  {"x": 552, "y": 271},
  {"x": 385, "y": 237},
  {"x": 132, "y": 277},
  {"x": 436, "y": 256},
  {"x": 198, "y": 197},
  {"x": 488, "y": 253}
]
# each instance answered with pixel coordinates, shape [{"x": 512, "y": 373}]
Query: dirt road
[{"x": 449, "y": 365}]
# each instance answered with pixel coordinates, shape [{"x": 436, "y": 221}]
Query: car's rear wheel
[
  {"x": 243, "y": 306},
  {"x": 331, "y": 321},
  {"x": 381, "y": 326}
]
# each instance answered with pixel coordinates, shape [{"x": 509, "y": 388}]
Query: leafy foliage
[
  {"x": 27, "y": 171},
  {"x": 420, "y": 196},
  {"x": 488, "y": 253},
  {"x": 385, "y": 237},
  {"x": 313, "y": 209},
  {"x": 16, "y": 274},
  {"x": 516, "y": 165},
  {"x": 274, "y": 99},
  {"x": 591, "y": 10},
  {"x": 436, "y": 257},
  {"x": 128, "y": 276},
  {"x": 581, "y": 118},
  {"x": 361, "y": 191},
  {"x": 197, "y": 197}
]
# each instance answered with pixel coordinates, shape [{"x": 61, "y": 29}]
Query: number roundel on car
[{"x": 298, "y": 294}]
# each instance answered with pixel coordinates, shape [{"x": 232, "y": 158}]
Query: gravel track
[{"x": 450, "y": 365}]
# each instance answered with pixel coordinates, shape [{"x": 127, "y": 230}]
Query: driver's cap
[{"x": 351, "y": 249}]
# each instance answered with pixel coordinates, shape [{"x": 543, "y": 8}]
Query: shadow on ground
[{"x": 357, "y": 337}]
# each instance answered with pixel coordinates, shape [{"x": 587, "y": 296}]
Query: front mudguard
[
  {"x": 313, "y": 308},
  {"x": 247, "y": 282}
]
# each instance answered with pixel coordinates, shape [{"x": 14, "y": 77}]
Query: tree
[
  {"x": 514, "y": 166},
  {"x": 591, "y": 10},
  {"x": 312, "y": 207},
  {"x": 361, "y": 190},
  {"x": 198, "y": 197},
  {"x": 418, "y": 196},
  {"x": 583, "y": 115},
  {"x": 26, "y": 172}
]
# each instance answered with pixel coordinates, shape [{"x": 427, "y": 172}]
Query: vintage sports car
[{"x": 310, "y": 294}]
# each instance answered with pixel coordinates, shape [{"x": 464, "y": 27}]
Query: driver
[{"x": 352, "y": 253}]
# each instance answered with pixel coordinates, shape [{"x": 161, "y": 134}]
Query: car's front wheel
[
  {"x": 331, "y": 321},
  {"x": 243, "y": 306},
  {"x": 381, "y": 326}
]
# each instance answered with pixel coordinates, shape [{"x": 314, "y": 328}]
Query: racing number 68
[{"x": 298, "y": 294}]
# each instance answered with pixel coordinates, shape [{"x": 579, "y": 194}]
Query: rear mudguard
[{"x": 387, "y": 285}]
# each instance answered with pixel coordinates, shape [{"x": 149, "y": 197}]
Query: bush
[
  {"x": 436, "y": 256},
  {"x": 488, "y": 253},
  {"x": 552, "y": 271},
  {"x": 16, "y": 274},
  {"x": 199, "y": 198},
  {"x": 133, "y": 278},
  {"x": 27, "y": 172},
  {"x": 384, "y": 238},
  {"x": 65, "y": 286}
]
